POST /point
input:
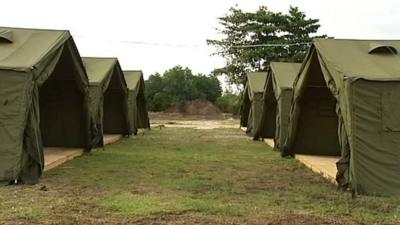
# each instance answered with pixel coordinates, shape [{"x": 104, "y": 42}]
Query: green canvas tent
[
  {"x": 108, "y": 94},
  {"x": 44, "y": 99},
  {"x": 278, "y": 94},
  {"x": 252, "y": 103},
  {"x": 138, "y": 115},
  {"x": 346, "y": 102}
]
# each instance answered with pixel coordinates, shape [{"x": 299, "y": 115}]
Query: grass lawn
[{"x": 187, "y": 176}]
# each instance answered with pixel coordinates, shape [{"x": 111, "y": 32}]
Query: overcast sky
[{"x": 116, "y": 28}]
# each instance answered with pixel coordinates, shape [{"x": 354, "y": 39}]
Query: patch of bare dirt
[
  {"x": 194, "y": 124},
  {"x": 307, "y": 219},
  {"x": 181, "y": 116},
  {"x": 195, "y": 107},
  {"x": 199, "y": 219},
  {"x": 193, "y": 219},
  {"x": 182, "y": 218}
]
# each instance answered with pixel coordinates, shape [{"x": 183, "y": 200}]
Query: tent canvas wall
[
  {"x": 252, "y": 103},
  {"x": 346, "y": 102},
  {"x": 44, "y": 99},
  {"x": 278, "y": 94},
  {"x": 108, "y": 93},
  {"x": 138, "y": 114}
]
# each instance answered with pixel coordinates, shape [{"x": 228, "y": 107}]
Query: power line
[
  {"x": 196, "y": 45},
  {"x": 270, "y": 45},
  {"x": 148, "y": 43},
  {"x": 163, "y": 44}
]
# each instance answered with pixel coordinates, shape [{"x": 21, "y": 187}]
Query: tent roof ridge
[
  {"x": 34, "y": 29},
  {"x": 352, "y": 58},
  {"x": 325, "y": 57},
  {"x": 133, "y": 78},
  {"x": 133, "y": 71},
  {"x": 99, "y": 57},
  {"x": 23, "y": 39},
  {"x": 353, "y": 39},
  {"x": 284, "y": 74},
  {"x": 256, "y": 81},
  {"x": 98, "y": 74},
  {"x": 64, "y": 32}
]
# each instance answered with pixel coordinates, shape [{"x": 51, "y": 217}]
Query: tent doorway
[
  {"x": 270, "y": 108},
  {"x": 113, "y": 107},
  {"x": 142, "y": 115},
  {"x": 61, "y": 103},
  {"x": 317, "y": 131},
  {"x": 245, "y": 109}
]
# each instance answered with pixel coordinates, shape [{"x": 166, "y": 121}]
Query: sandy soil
[
  {"x": 195, "y": 124},
  {"x": 160, "y": 120}
]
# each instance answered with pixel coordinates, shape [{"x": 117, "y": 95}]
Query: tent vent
[
  {"x": 6, "y": 36},
  {"x": 382, "y": 49}
]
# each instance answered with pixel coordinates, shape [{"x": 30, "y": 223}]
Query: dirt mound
[{"x": 195, "y": 107}]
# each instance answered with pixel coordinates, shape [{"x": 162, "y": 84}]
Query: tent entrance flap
[
  {"x": 376, "y": 138},
  {"x": 143, "y": 118},
  {"x": 245, "y": 108},
  {"x": 114, "y": 107},
  {"x": 61, "y": 102},
  {"x": 270, "y": 104},
  {"x": 317, "y": 132},
  {"x": 270, "y": 123}
]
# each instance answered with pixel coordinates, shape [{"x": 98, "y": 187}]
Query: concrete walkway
[
  {"x": 270, "y": 142},
  {"x": 111, "y": 138},
  {"x": 54, "y": 157},
  {"x": 323, "y": 165}
]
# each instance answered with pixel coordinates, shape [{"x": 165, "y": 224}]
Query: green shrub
[{"x": 229, "y": 103}]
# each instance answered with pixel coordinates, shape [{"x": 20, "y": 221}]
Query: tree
[
  {"x": 178, "y": 82},
  {"x": 298, "y": 29},
  {"x": 177, "y": 85},
  {"x": 229, "y": 102},
  {"x": 155, "y": 86},
  {"x": 207, "y": 87},
  {"x": 251, "y": 40}
]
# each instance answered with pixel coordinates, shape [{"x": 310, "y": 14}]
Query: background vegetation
[
  {"x": 179, "y": 84},
  {"x": 229, "y": 102},
  {"x": 251, "y": 40}
]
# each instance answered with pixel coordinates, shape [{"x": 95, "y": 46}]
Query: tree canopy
[
  {"x": 178, "y": 85},
  {"x": 229, "y": 102},
  {"x": 251, "y": 40}
]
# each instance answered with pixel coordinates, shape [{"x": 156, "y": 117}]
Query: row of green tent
[
  {"x": 50, "y": 96},
  {"x": 343, "y": 100}
]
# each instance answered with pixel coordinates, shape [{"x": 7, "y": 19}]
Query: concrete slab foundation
[
  {"x": 111, "y": 138},
  {"x": 54, "y": 157},
  {"x": 323, "y": 165}
]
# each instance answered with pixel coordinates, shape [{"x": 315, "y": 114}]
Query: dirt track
[
  {"x": 194, "y": 124},
  {"x": 159, "y": 120}
]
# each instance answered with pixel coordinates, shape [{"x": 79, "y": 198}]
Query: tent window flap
[
  {"x": 390, "y": 109},
  {"x": 382, "y": 49}
]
